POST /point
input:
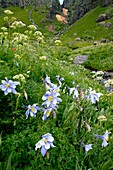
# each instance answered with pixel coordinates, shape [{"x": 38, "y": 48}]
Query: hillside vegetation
[
  {"x": 88, "y": 29},
  {"x": 40, "y": 16},
  {"x": 53, "y": 112}
]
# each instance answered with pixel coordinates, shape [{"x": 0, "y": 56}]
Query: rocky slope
[{"x": 77, "y": 8}]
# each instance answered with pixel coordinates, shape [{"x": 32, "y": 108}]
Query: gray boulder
[
  {"x": 80, "y": 59},
  {"x": 102, "y": 17}
]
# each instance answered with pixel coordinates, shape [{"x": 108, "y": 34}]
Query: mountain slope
[{"x": 88, "y": 29}]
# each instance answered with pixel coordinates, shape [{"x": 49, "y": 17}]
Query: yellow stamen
[
  {"x": 50, "y": 98},
  {"x": 107, "y": 139},
  {"x": 32, "y": 109},
  {"x": 48, "y": 113},
  {"x": 7, "y": 85},
  {"x": 57, "y": 90},
  {"x": 45, "y": 140}
]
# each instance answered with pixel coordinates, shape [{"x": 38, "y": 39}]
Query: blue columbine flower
[
  {"x": 46, "y": 113},
  {"x": 104, "y": 138},
  {"x": 32, "y": 110},
  {"x": 8, "y": 86},
  {"x": 59, "y": 79},
  {"x": 87, "y": 147},
  {"x": 74, "y": 90},
  {"x": 51, "y": 99},
  {"x": 93, "y": 96},
  {"x": 46, "y": 143},
  {"x": 48, "y": 81}
]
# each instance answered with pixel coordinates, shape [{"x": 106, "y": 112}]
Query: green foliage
[
  {"x": 34, "y": 59},
  {"x": 104, "y": 55}
]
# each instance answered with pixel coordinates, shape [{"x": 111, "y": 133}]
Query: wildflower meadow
[{"x": 54, "y": 115}]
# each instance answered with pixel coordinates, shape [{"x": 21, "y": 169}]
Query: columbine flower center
[
  {"x": 32, "y": 109},
  {"x": 57, "y": 90},
  {"x": 107, "y": 139},
  {"x": 50, "y": 98},
  {"x": 48, "y": 113},
  {"x": 45, "y": 140},
  {"x": 93, "y": 92},
  {"x": 7, "y": 85}
]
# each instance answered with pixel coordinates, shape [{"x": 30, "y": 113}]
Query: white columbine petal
[
  {"x": 50, "y": 139},
  {"x": 42, "y": 142},
  {"x": 4, "y": 82},
  {"x": 37, "y": 145},
  {"x": 47, "y": 145},
  {"x": 104, "y": 143}
]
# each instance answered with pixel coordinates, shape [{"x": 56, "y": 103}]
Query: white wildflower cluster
[
  {"x": 17, "y": 56},
  {"x": 102, "y": 118},
  {"x": 108, "y": 83},
  {"x": 20, "y": 77},
  {"x": 19, "y": 38},
  {"x": 17, "y": 24},
  {"x": 58, "y": 42},
  {"x": 39, "y": 37},
  {"x": 6, "y": 18},
  {"x": 3, "y": 29},
  {"x": 8, "y": 12},
  {"x": 38, "y": 34},
  {"x": 3, "y": 35},
  {"x": 43, "y": 58},
  {"x": 32, "y": 27},
  {"x": 29, "y": 33},
  {"x": 97, "y": 75},
  {"x": 13, "y": 19}
]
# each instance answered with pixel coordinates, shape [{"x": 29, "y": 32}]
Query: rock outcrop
[
  {"x": 79, "y": 8},
  {"x": 106, "y": 2},
  {"x": 24, "y": 3}
]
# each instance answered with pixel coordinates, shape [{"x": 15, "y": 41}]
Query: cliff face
[
  {"x": 78, "y": 8},
  {"x": 81, "y": 8},
  {"x": 106, "y": 2},
  {"x": 24, "y": 3}
]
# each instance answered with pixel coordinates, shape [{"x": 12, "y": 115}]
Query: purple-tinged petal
[
  {"x": 44, "y": 117},
  {"x": 27, "y": 114},
  {"x": 14, "y": 91},
  {"x": 92, "y": 99},
  {"x": 47, "y": 135},
  {"x": 2, "y": 87},
  {"x": 100, "y": 136},
  {"x": 43, "y": 151},
  {"x": 75, "y": 93},
  {"x": 59, "y": 100},
  {"x": 5, "y": 92}
]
